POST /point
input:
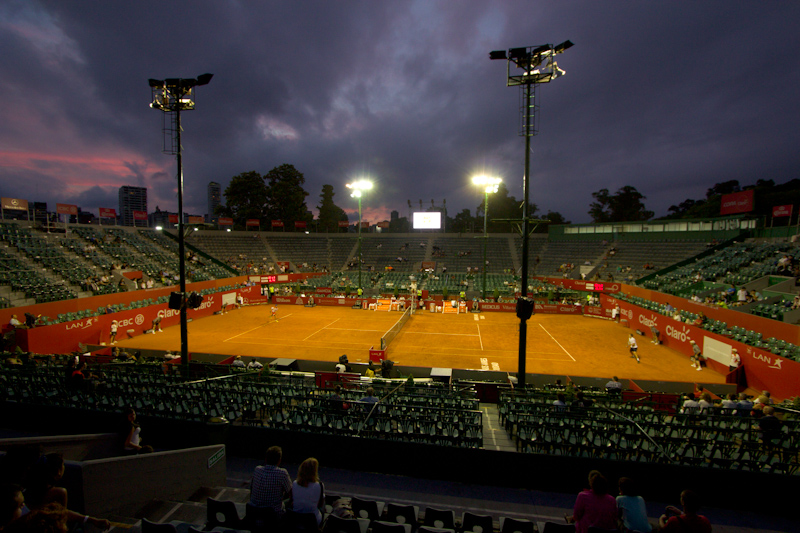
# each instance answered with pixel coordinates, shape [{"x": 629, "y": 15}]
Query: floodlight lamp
[
  {"x": 155, "y": 83},
  {"x": 498, "y": 54},
  {"x": 355, "y": 194},
  {"x": 517, "y": 53},
  {"x": 541, "y": 50},
  {"x": 203, "y": 79},
  {"x": 228, "y": 230},
  {"x": 563, "y": 46}
]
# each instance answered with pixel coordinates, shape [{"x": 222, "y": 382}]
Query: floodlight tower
[
  {"x": 528, "y": 67},
  {"x": 173, "y": 95},
  {"x": 358, "y": 187},
  {"x": 490, "y": 185}
]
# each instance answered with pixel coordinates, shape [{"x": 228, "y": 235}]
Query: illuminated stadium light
[
  {"x": 489, "y": 185},
  {"x": 358, "y": 187},
  {"x": 537, "y": 65},
  {"x": 173, "y": 95}
]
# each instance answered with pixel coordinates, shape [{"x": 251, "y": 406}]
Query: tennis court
[{"x": 556, "y": 344}]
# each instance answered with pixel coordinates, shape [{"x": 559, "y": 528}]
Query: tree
[
  {"x": 726, "y": 187},
  {"x": 329, "y": 213},
  {"x": 624, "y": 206},
  {"x": 286, "y": 198},
  {"x": 502, "y": 206},
  {"x": 245, "y": 197},
  {"x": 463, "y": 222},
  {"x": 399, "y": 225}
]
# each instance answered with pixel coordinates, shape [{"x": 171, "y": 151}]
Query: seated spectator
[
  {"x": 673, "y": 521},
  {"x": 370, "y": 396},
  {"x": 632, "y": 510},
  {"x": 271, "y": 484},
  {"x": 12, "y": 503},
  {"x": 705, "y": 402},
  {"x": 729, "y": 404},
  {"x": 582, "y": 401},
  {"x": 308, "y": 492},
  {"x": 131, "y": 431},
  {"x": 238, "y": 364},
  {"x": 690, "y": 406},
  {"x": 560, "y": 403},
  {"x": 594, "y": 507},
  {"x": 254, "y": 365},
  {"x": 769, "y": 426},
  {"x": 614, "y": 386},
  {"x": 744, "y": 406}
]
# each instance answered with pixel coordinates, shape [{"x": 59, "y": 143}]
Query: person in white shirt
[{"x": 633, "y": 348}]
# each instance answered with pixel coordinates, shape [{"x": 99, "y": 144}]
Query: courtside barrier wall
[{"x": 763, "y": 370}]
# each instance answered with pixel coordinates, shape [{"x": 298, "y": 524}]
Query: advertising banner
[
  {"x": 344, "y": 223},
  {"x": 277, "y": 223},
  {"x": 384, "y": 224},
  {"x": 173, "y": 219},
  {"x": 580, "y": 285},
  {"x": 14, "y": 203},
  {"x": 107, "y": 212},
  {"x": 300, "y": 224},
  {"x": 737, "y": 202},
  {"x": 253, "y": 222},
  {"x": 225, "y": 221},
  {"x": 196, "y": 220},
  {"x": 364, "y": 225},
  {"x": 782, "y": 211},
  {"x": 140, "y": 215},
  {"x": 66, "y": 209}
]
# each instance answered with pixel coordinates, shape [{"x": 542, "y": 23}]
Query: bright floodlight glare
[
  {"x": 489, "y": 184},
  {"x": 228, "y": 230},
  {"x": 159, "y": 228}
]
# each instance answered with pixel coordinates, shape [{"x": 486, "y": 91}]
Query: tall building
[
  {"x": 214, "y": 199},
  {"x": 132, "y": 199}
]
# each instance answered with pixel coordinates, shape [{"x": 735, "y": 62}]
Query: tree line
[{"x": 280, "y": 195}]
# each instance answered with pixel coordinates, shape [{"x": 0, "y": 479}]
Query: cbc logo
[{"x": 139, "y": 320}]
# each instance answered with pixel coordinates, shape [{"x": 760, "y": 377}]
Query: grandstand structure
[{"x": 430, "y": 424}]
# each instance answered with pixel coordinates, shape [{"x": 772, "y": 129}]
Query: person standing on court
[
  {"x": 271, "y": 484},
  {"x": 114, "y": 327},
  {"x": 633, "y": 348}
]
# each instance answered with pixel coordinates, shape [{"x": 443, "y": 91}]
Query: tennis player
[
  {"x": 274, "y": 312},
  {"x": 633, "y": 348}
]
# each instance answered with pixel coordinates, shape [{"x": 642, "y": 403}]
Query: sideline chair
[{"x": 222, "y": 513}]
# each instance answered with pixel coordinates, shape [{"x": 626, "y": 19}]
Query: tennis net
[{"x": 394, "y": 330}]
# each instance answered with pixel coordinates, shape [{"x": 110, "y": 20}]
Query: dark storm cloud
[{"x": 670, "y": 97}]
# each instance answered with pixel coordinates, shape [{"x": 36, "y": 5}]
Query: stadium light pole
[
  {"x": 358, "y": 187},
  {"x": 537, "y": 65},
  {"x": 490, "y": 185},
  {"x": 173, "y": 95}
]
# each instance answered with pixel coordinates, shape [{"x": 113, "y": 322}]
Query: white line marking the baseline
[
  {"x": 479, "y": 335},
  {"x": 559, "y": 344},
  {"x": 320, "y": 329}
]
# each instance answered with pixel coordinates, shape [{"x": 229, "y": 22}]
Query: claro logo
[
  {"x": 681, "y": 335},
  {"x": 649, "y": 322}
]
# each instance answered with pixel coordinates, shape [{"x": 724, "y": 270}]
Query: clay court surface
[{"x": 557, "y": 344}]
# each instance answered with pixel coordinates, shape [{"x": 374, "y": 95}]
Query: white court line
[
  {"x": 479, "y": 335},
  {"x": 320, "y": 329},
  {"x": 435, "y": 333},
  {"x": 356, "y": 329},
  {"x": 559, "y": 344},
  {"x": 248, "y": 331}
]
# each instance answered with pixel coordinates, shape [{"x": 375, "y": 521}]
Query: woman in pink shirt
[{"x": 595, "y": 506}]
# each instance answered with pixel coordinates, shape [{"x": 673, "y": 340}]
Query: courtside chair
[
  {"x": 370, "y": 509},
  {"x": 222, "y": 513},
  {"x": 514, "y": 525},
  {"x": 440, "y": 518},
  {"x": 260, "y": 519},
  {"x": 403, "y": 514},
  {"x": 390, "y": 527},
  {"x": 476, "y": 523},
  {"x": 336, "y": 524}
]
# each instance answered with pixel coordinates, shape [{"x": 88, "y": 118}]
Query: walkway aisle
[{"x": 495, "y": 436}]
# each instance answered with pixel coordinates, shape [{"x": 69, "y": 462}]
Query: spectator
[
  {"x": 730, "y": 404},
  {"x": 581, "y": 401},
  {"x": 50, "y": 519},
  {"x": 12, "y": 503},
  {"x": 632, "y": 510},
  {"x": 132, "y": 432},
  {"x": 370, "y": 396},
  {"x": 736, "y": 360},
  {"x": 769, "y": 426},
  {"x": 690, "y": 406},
  {"x": 271, "y": 484},
  {"x": 238, "y": 364},
  {"x": 308, "y": 492},
  {"x": 705, "y": 402},
  {"x": 614, "y": 386},
  {"x": 14, "y": 322},
  {"x": 560, "y": 403},
  {"x": 254, "y": 365},
  {"x": 688, "y": 521},
  {"x": 744, "y": 406},
  {"x": 594, "y": 507}
]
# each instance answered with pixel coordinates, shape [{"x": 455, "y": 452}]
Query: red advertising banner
[
  {"x": 253, "y": 222},
  {"x": 344, "y": 223},
  {"x": 106, "y": 212},
  {"x": 14, "y": 203},
  {"x": 173, "y": 219},
  {"x": 225, "y": 221},
  {"x": 277, "y": 223},
  {"x": 300, "y": 224},
  {"x": 66, "y": 209},
  {"x": 365, "y": 225},
  {"x": 384, "y": 224},
  {"x": 580, "y": 285},
  {"x": 196, "y": 220},
  {"x": 782, "y": 211},
  {"x": 737, "y": 202},
  {"x": 140, "y": 215}
]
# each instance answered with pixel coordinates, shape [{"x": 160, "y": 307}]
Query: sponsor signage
[
  {"x": 253, "y": 222},
  {"x": 737, "y": 202},
  {"x": 225, "y": 221},
  {"x": 300, "y": 224},
  {"x": 383, "y": 224},
  {"x": 216, "y": 457},
  {"x": 324, "y": 290},
  {"x": 106, "y": 212},
  {"x": 66, "y": 209},
  {"x": 277, "y": 223},
  {"x": 140, "y": 215},
  {"x": 196, "y": 220},
  {"x": 344, "y": 223},
  {"x": 14, "y": 203},
  {"x": 579, "y": 285},
  {"x": 173, "y": 219},
  {"x": 782, "y": 211},
  {"x": 365, "y": 225}
]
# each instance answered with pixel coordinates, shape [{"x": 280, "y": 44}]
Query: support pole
[
  {"x": 523, "y": 322},
  {"x": 181, "y": 247}
]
